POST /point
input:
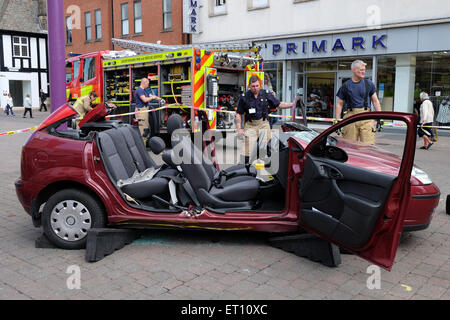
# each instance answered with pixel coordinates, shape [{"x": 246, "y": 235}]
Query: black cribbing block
[
  {"x": 447, "y": 204},
  {"x": 103, "y": 242},
  {"x": 43, "y": 243},
  {"x": 311, "y": 247}
]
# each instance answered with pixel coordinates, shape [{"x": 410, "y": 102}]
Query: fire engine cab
[{"x": 199, "y": 82}]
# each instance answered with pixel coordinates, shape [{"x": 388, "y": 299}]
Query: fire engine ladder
[
  {"x": 155, "y": 47},
  {"x": 223, "y": 52}
]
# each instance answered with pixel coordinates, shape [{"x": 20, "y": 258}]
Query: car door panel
[
  {"x": 342, "y": 201},
  {"x": 361, "y": 210}
]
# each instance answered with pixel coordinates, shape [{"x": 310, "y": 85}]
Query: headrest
[
  {"x": 157, "y": 145},
  {"x": 174, "y": 122},
  {"x": 167, "y": 158}
]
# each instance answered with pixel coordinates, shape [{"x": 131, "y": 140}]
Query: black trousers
[
  {"x": 43, "y": 106},
  {"x": 26, "y": 111}
]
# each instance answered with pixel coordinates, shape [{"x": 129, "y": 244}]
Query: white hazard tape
[{"x": 173, "y": 106}]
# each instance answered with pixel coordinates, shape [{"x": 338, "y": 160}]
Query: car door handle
[{"x": 334, "y": 174}]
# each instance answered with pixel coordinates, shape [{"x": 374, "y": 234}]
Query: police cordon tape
[
  {"x": 173, "y": 106},
  {"x": 10, "y": 133}
]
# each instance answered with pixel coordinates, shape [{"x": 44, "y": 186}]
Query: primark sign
[
  {"x": 325, "y": 46},
  {"x": 191, "y": 16}
]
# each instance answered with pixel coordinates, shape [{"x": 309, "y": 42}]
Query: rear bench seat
[{"x": 124, "y": 154}]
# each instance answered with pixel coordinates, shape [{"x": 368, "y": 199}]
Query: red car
[{"x": 101, "y": 175}]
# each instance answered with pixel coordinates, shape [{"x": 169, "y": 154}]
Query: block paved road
[{"x": 202, "y": 265}]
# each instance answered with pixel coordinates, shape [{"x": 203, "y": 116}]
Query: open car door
[{"x": 358, "y": 207}]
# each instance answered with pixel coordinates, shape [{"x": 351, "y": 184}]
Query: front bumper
[{"x": 423, "y": 202}]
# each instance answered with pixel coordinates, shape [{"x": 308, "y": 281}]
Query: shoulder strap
[{"x": 366, "y": 97}]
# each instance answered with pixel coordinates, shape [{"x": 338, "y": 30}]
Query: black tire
[
  {"x": 447, "y": 204},
  {"x": 70, "y": 231}
]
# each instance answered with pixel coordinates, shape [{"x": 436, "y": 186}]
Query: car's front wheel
[{"x": 68, "y": 215}]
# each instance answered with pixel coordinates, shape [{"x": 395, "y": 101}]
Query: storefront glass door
[{"x": 320, "y": 89}]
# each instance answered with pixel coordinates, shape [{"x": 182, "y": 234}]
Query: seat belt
[{"x": 186, "y": 186}]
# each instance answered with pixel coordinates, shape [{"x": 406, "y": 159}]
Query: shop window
[
  {"x": 321, "y": 65},
  {"x": 217, "y": 7},
  {"x": 344, "y": 65},
  {"x": 274, "y": 70},
  {"x": 386, "y": 82},
  {"x": 257, "y": 4},
  {"x": 433, "y": 77}
]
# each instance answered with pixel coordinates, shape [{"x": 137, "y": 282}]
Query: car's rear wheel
[{"x": 68, "y": 215}]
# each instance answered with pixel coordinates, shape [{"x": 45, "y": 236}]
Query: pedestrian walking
[
  {"x": 9, "y": 105},
  {"x": 357, "y": 94},
  {"x": 427, "y": 117},
  {"x": 43, "y": 97},
  {"x": 27, "y": 105}
]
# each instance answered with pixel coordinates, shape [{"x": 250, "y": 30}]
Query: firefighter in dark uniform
[{"x": 256, "y": 105}]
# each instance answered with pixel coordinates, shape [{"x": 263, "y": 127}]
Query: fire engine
[{"x": 200, "y": 82}]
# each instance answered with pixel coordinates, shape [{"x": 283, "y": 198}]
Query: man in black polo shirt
[
  {"x": 143, "y": 97},
  {"x": 256, "y": 105}
]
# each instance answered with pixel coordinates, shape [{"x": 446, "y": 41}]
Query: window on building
[
  {"x": 137, "y": 17},
  {"x": 125, "y": 21},
  {"x": 88, "y": 26},
  {"x": 257, "y": 4},
  {"x": 20, "y": 47},
  {"x": 217, "y": 7},
  {"x": 98, "y": 24},
  {"x": 167, "y": 14},
  {"x": 89, "y": 69},
  {"x": 69, "y": 30}
]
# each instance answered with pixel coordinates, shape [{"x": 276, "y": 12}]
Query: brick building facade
[{"x": 92, "y": 24}]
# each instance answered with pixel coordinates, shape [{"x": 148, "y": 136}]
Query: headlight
[{"x": 421, "y": 175}]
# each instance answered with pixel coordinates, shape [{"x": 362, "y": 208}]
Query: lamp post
[{"x": 56, "y": 49}]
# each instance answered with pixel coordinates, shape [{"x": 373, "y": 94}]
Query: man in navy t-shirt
[
  {"x": 358, "y": 93},
  {"x": 142, "y": 98}
]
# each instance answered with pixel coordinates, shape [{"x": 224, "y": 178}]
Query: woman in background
[
  {"x": 427, "y": 117},
  {"x": 27, "y": 105}
]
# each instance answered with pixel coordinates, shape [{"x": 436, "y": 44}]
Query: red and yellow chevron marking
[{"x": 201, "y": 62}]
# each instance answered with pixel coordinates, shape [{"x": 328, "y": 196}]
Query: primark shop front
[{"x": 402, "y": 62}]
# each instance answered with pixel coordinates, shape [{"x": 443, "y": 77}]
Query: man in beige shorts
[
  {"x": 256, "y": 105},
  {"x": 357, "y": 93}
]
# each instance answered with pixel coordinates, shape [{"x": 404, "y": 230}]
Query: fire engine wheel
[{"x": 68, "y": 215}]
